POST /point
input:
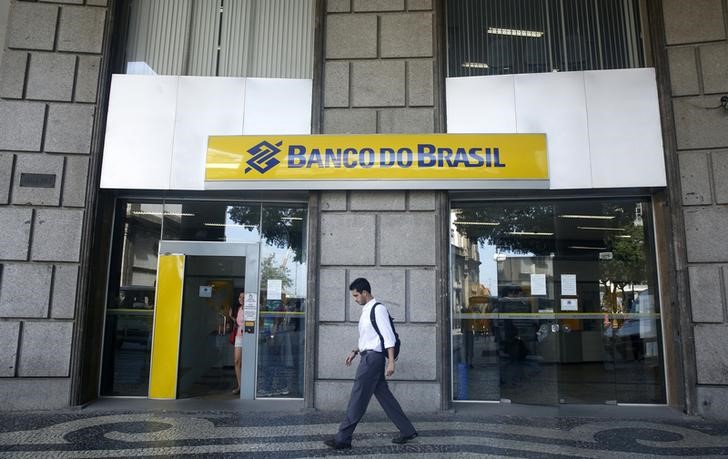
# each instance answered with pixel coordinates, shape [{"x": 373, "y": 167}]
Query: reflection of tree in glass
[
  {"x": 494, "y": 225},
  {"x": 282, "y": 227},
  {"x": 269, "y": 270},
  {"x": 247, "y": 216},
  {"x": 628, "y": 266}
]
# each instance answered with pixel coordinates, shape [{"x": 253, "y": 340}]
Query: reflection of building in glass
[
  {"x": 141, "y": 241},
  {"x": 514, "y": 274},
  {"x": 466, "y": 269}
]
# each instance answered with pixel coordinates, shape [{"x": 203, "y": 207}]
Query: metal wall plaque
[{"x": 38, "y": 180}]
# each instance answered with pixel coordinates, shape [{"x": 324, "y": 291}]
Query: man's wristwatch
[{"x": 355, "y": 351}]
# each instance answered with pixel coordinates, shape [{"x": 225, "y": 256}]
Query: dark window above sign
[{"x": 502, "y": 37}]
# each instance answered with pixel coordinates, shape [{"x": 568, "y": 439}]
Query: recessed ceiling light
[
  {"x": 599, "y": 228},
  {"x": 229, "y": 225},
  {"x": 596, "y": 217},
  {"x": 478, "y": 223},
  {"x": 515, "y": 32},
  {"x": 475, "y": 65},
  {"x": 174, "y": 214}
]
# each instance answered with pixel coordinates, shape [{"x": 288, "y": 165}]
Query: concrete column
[
  {"x": 390, "y": 239},
  {"x": 378, "y": 79},
  {"x": 48, "y": 85},
  {"x": 696, "y": 38},
  {"x": 379, "y": 67}
]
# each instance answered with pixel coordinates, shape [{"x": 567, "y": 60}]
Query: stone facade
[
  {"x": 48, "y": 85},
  {"x": 696, "y": 34},
  {"x": 376, "y": 80},
  {"x": 375, "y": 236}
]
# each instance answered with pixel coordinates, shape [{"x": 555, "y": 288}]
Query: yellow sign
[{"x": 377, "y": 157}]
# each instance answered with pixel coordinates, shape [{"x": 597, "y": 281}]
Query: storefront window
[
  {"x": 283, "y": 302},
  {"x": 555, "y": 302},
  {"x": 278, "y": 232},
  {"x": 130, "y": 311}
]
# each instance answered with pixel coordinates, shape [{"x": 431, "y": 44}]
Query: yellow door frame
[{"x": 166, "y": 330}]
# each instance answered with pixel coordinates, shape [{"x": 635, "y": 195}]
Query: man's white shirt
[{"x": 368, "y": 337}]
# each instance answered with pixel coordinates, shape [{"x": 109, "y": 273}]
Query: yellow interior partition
[{"x": 167, "y": 318}]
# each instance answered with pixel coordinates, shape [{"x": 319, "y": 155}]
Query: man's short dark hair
[{"x": 361, "y": 285}]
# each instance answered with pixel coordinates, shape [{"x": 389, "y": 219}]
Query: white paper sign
[
  {"x": 274, "y": 289},
  {"x": 569, "y": 304},
  {"x": 251, "y": 301},
  {"x": 538, "y": 284},
  {"x": 250, "y": 306},
  {"x": 205, "y": 291},
  {"x": 568, "y": 284}
]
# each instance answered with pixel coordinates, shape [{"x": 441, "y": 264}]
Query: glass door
[
  {"x": 206, "y": 359},
  {"x": 199, "y": 282},
  {"x": 529, "y": 359},
  {"x": 586, "y": 373},
  {"x": 553, "y": 301},
  {"x": 506, "y": 350}
]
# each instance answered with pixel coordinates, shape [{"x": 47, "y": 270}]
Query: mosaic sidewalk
[{"x": 88, "y": 433}]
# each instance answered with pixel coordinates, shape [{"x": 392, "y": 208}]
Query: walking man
[{"x": 369, "y": 378}]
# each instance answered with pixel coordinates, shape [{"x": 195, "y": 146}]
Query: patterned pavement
[{"x": 243, "y": 433}]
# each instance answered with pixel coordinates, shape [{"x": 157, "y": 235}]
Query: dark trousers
[{"x": 370, "y": 381}]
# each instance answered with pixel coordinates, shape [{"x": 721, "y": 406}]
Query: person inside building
[{"x": 236, "y": 315}]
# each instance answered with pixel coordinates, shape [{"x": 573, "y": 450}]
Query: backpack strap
[{"x": 373, "y": 319}]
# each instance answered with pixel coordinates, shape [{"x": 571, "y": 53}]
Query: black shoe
[
  {"x": 401, "y": 440},
  {"x": 331, "y": 443}
]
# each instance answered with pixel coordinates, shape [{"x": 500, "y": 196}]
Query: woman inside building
[{"x": 236, "y": 314}]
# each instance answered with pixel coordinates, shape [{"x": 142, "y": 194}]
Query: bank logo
[{"x": 263, "y": 156}]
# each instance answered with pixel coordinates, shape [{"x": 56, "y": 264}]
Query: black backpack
[{"x": 397, "y": 341}]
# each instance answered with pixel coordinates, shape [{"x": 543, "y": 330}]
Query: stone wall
[
  {"x": 379, "y": 79},
  {"x": 388, "y": 238},
  {"x": 48, "y": 85},
  {"x": 696, "y": 35},
  {"x": 378, "y": 75},
  {"x": 4, "y": 12}
]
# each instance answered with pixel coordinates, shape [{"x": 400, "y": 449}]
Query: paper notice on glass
[
  {"x": 569, "y": 304},
  {"x": 538, "y": 284},
  {"x": 568, "y": 284},
  {"x": 274, "y": 289},
  {"x": 647, "y": 329},
  {"x": 250, "y": 306}
]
